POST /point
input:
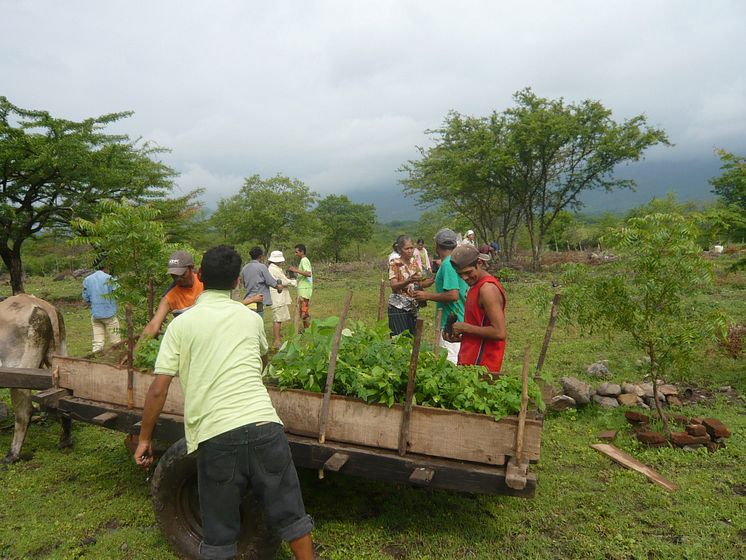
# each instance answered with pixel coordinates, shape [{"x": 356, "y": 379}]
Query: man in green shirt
[
  {"x": 305, "y": 283},
  {"x": 450, "y": 289},
  {"x": 216, "y": 349}
]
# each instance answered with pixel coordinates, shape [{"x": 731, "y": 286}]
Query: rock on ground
[
  {"x": 578, "y": 390},
  {"x": 609, "y": 390},
  {"x": 606, "y": 402},
  {"x": 598, "y": 369}
]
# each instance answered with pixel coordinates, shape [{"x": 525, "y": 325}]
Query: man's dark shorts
[{"x": 252, "y": 457}]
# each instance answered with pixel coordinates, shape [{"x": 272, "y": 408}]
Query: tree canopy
[
  {"x": 343, "y": 222},
  {"x": 528, "y": 163},
  {"x": 265, "y": 210},
  {"x": 53, "y": 170}
]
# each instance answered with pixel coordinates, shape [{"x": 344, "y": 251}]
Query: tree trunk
[{"x": 12, "y": 260}]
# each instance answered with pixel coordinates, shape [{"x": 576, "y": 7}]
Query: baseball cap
[
  {"x": 179, "y": 261},
  {"x": 446, "y": 238},
  {"x": 465, "y": 255},
  {"x": 470, "y": 232},
  {"x": 276, "y": 256}
]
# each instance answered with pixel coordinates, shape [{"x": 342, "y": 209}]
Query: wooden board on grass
[{"x": 435, "y": 432}]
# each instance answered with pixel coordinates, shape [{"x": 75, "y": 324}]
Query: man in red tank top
[{"x": 482, "y": 333}]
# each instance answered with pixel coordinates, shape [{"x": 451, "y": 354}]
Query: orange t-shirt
[{"x": 180, "y": 299}]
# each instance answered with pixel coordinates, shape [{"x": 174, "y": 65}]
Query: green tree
[
  {"x": 529, "y": 162},
  {"x": 53, "y": 170},
  {"x": 467, "y": 171},
  {"x": 265, "y": 210},
  {"x": 561, "y": 150},
  {"x": 650, "y": 292},
  {"x": 130, "y": 240},
  {"x": 730, "y": 186},
  {"x": 343, "y": 222}
]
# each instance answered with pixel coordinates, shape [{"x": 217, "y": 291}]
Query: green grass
[{"x": 92, "y": 502}]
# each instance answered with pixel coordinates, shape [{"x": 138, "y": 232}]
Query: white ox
[{"x": 31, "y": 331}]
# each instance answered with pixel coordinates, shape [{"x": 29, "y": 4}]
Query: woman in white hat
[{"x": 281, "y": 301}]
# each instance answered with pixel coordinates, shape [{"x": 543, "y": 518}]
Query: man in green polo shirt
[
  {"x": 216, "y": 349},
  {"x": 450, "y": 289},
  {"x": 305, "y": 283}
]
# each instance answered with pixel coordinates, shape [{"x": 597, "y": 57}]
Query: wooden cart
[{"x": 443, "y": 449}]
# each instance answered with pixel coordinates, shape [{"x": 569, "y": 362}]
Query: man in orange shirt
[{"x": 181, "y": 295}]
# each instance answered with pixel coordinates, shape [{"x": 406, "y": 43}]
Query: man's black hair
[
  {"x": 301, "y": 247},
  {"x": 255, "y": 253},
  {"x": 420, "y": 240},
  {"x": 221, "y": 266}
]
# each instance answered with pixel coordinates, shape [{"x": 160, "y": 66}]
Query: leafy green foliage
[
  {"x": 146, "y": 352},
  {"x": 375, "y": 368},
  {"x": 528, "y": 163},
  {"x": 130, "y": 240},
  {"x": 342, "y": 222},
  {"x": 265, "y": 210},
  {"x": 54, "y": 170},
  {"x": 651, "y": 292}
]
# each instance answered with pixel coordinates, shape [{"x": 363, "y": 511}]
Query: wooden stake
[
  {"x": 296, "y": 314},
  {"x": 332, "y": 368},
  {"x": 548, "y": 334},
  {"x": 438, "y": 321},
  {"x": 382, "y": 300},
  {"x": 524, "y": 408},
  {"x": 130, "y": 358},
  {"x": 151, "y": 298},
  {"x": 404, "y": 430},
  {"x": 516, "y": 471}
]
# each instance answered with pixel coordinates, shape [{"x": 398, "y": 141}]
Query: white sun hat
[{"x": 276, "y": 256}]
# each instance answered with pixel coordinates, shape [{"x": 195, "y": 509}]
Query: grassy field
[{"x": 92, "y": 502}]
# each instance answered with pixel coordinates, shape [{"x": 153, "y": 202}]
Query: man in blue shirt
[{"x": 97, "y": 289}]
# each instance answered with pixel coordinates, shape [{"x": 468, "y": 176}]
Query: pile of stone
[
  {"x": 698, "y": 432},
  {"x": 611, "y": 395}
]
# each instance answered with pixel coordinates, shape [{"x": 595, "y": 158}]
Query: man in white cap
[
  {"x": 281, "y": 301},
  {"x": 181, "y": 294}
]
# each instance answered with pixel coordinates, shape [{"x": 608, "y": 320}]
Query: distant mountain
[
  {"x": 391, "y": 204},
  {"x": 689, "y": 180}
]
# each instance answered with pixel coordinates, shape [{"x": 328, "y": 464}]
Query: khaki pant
[{"x": 103, "y": 328}]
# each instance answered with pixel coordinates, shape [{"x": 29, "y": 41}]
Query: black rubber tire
[{"x": 176, "y": 505}]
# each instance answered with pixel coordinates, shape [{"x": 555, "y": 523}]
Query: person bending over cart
[{"x": 217, "y": 351}]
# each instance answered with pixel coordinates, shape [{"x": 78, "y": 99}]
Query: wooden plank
[
  {"x": 376, "y": 464},
  {"x": 421, "y": 476},
  {"x": 169, "y": 429},
  {"x": 516, "y": 474},
  {"x": 432, "y": 431},
  {"x": 336, "y": 462},
  {"x": 105, "y": 418},
  {"x": 404, "y": 427},
  {"x": 25, "y": 378},
  {"x": 49, "y": 397},
  {"x": 626, "y": 460},
  {"x": 108, "y": 383}
]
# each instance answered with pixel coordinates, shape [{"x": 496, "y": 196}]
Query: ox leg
[
  {"x": 21, "y": 399},
  {"x": 66, "y": 437}
]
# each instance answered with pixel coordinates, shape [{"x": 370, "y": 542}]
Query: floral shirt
[{"x": 400, "y": 271}]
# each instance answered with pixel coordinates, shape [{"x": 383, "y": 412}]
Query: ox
[{"x": 31, "y": 331}]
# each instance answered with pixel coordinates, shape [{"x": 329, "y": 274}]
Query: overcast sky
[{"x": 339, "y": 93}]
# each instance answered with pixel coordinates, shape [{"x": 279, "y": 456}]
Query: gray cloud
[{"x": 339, "y": 93}]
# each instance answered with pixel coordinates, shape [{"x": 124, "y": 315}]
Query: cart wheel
[{"x": 176, "y": 504}]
